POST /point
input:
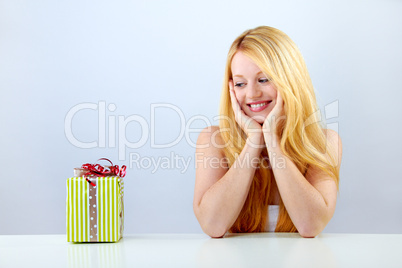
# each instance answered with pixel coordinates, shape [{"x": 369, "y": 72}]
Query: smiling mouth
[{"x": 257, "y": 107}]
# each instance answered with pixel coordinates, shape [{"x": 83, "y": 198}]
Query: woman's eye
[
  {"x": 263, "y": 80},
  {"x": 239, "y": 84}
]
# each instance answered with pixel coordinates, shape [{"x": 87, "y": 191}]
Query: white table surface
[{"x": 198, "y": 250}]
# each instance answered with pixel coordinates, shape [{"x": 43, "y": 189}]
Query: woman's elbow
[
  {"x": 313, "y": 226},
  {"x": 307, "y": 234},
  {"x": 309, "y": 231},
  {"x": 215, "y": 233},
  {"x": 213, "y": 230},
  {"x": 210, "y": 227}
]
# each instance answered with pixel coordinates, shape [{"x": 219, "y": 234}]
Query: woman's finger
[
  {"x": 231, "y": 86},
  {"x": 245, "y": 122},
  {"x": 240, "y": 117},
  {"x": 279, "y": 99},
  {"x": 274, "y": 116},
  {"x": 236, "y": 108},
  {"x": 233, "y": 99}
]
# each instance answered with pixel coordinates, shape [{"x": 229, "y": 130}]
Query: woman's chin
[{"x": 259, "y": 119}]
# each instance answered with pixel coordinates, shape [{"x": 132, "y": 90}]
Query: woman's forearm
[
  {"x": 305, "y": 205},
  {"x": 223, "y": 201}
]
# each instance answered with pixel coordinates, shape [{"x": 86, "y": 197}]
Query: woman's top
[{"x": 273, "y": 212}]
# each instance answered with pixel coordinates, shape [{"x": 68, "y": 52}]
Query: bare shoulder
[
  {"x": 334, "y": 144},
  {"x": 333, "y": 138},
  {"x": 323, "y": 182},
  {"x": 210, "y": 162},
  {"x": 210, "y": 138}
]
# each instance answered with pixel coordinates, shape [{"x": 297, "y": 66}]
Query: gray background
[{"x": 55, "y": 55}]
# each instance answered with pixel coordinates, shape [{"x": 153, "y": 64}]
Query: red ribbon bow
[{"x": 102, "y": 171}]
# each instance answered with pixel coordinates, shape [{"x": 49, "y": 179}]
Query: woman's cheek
[{"x": 240, "y": 97}]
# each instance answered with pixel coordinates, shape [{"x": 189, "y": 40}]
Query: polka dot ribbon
[{"x": 102, "y": 171}]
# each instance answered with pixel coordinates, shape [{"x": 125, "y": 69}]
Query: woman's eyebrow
[{"x": 239, "y": 75}]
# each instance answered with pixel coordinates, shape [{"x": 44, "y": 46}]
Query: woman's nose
[{"x": 253, "y": 91}]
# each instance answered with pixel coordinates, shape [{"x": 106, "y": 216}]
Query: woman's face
[{"x": 254, "y": 91}]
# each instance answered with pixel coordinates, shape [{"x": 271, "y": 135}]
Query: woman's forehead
[{"x": 243, "y": 65}]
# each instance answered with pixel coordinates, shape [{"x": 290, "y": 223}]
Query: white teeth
[{"x": 258, "y": 105}]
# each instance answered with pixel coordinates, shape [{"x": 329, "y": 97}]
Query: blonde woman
[{"x": 270, "y": 165}]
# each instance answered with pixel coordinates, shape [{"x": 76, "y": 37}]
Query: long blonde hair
[{"x": 301, "y": 135}]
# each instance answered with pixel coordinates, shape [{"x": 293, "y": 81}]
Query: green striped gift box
[{"x": 95, "y": 213}]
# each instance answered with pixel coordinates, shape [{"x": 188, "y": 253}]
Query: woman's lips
[{"x": 258, "y": 106}]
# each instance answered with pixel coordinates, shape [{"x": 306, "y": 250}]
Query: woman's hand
[
  {"x": 251, "y": 127},
  {"x": 269, "y": 127}
]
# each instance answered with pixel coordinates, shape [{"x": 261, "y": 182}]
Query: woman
[{"x": 270, "y": 165}]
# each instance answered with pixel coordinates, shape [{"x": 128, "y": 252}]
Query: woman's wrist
[
  {"x": 271, "y": 140},
  {"x": 256, "y": 141}
]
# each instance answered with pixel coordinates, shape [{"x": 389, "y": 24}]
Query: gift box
[{"x": 95, "y": 207}]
